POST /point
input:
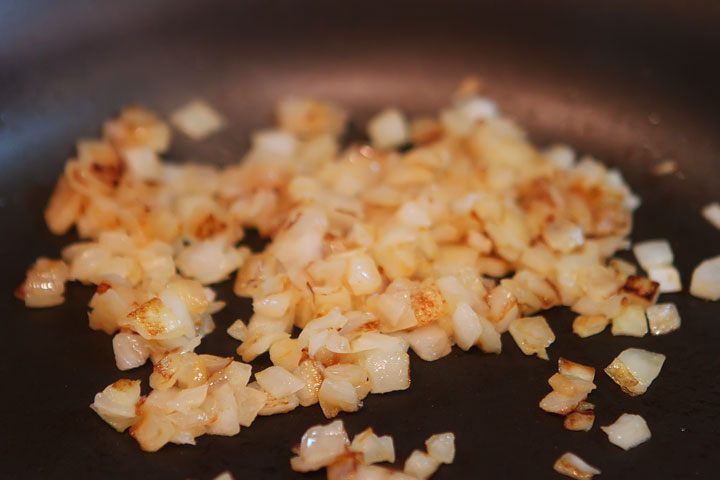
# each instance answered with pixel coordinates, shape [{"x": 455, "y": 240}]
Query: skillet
[{"x": 633, "y": 83}]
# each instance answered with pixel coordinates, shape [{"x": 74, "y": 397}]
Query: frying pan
[{"x": 633, "y": 83}]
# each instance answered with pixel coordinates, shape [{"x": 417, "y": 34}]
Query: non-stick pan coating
[{"x": 633, "y": 83}]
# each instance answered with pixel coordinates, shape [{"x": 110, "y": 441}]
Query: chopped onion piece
[
  {"x": 628, "y": 431},
  {"x": 429, "y": 342},
  {"x": 667, "y": 277},
  {"x": 117, "y": 403},
  {"x": 556, "y": 402},
  {"x": 130, "y": 350},
  {"x": 635, "y": 369},
  {"x": 663, "y": 318},
  {"x": 653, "y": 253},
  {"x": 711, "y": 212},
  {"x": 374, "y": 449},
  {"x": 388, "y": 129},
  {"x": 587, "y": 325},
  {"x": 533, "y": 335},
  {"x": 631, "y": 321},
  {"x": 321, "y": 445},
  {"x": 706, "y": 279},
  {"x": 388, "y": 371},
  {"x": 441, "y": 447},
  {"x": 572, "y": 369},
  {"x": 420, "y": 465},
  {"x": 575, "y": 467},
  {"x": 579, "y": 421},
  {"x": 278, "y": 382},
  {"x": 197, "y": 120},
  {"x": 467, "y": 328},
  {"x": 238, "y": 330}
]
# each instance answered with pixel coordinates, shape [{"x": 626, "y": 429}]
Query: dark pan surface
[{"x": 633, "y": 83}]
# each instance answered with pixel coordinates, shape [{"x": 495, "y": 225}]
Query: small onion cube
[
  {"x": 197, "y": 120},
  {"x": 278, "y": 382},
  {"x": 588, "y": 325},
  {"x": 441, "y": 447},
  {"x": 321, "y": 445},
  {"x": 711, "y": 213},
  {"x": 635, "y": 369},
  {"x": 374, "y": 449},
  {"x": 706, "y": 280},
  {"x": 575, "y": 467},
  {"x": 420, "y": 465},
  {"x": 572, "y": 369},
  {"x": 653, "y": 253},
  {"x": 467, "y": 328},
  {"x": 388, "y": 371},
  {"x": 533, "y": 335},
  {"x": 663, "y": 318},
  {"x": 630, "y": 322},
  {"x": 555, "y": 402},
  {"x": 388, "y": 129},
  {"x": 579, "y": 421},
  {"x": 628, "y": 431},
  {"x": 668, "y": 278},
  {"x": 238, "y": 330}
]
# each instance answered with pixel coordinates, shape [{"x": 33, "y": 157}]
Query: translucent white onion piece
[
  {"x": 467, "y": 328},
  {"x": 706, "y": 280},
  {"x": 533, "y": 335},
  {"x": 631, "y": 322},
  {"x": 321, "y": 445},
  {"x": 44, "y": 285},
  {"x": 628, "y": 431},
  {"x": 653, "y": 253},
  {"x": 429, "y": 342},
  {"x": 587, "y": 325},
  {"x": 441, "y": 447},
  {"x": 663, "y": 318},
  {"x": 420, "y": 465},
  {"x": 668, "y": 278},
  {"x": 130, "y": 350},
  {"x": 387, "y": 371},
  {"x": 575, "y": 467},
  {"x": 388, "y": 129},
  {"x": 711, "y": 212},
  {"x": 635, "y": 369},
  {"x": 374, "y": 449},
  {"x": 278, "y": 382},
  {"x": 197, "y": 120},
  {"x": 572, "y": 369},
  {"x": 116, "y": 404}
]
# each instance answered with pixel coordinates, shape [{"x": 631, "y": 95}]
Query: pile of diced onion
[{"x": 442, "y": 230}]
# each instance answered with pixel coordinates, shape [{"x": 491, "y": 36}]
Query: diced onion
[
  {"x": 706, "y": 279},
  {"x": 635, "y": 369},
  {"x": 628, "y": 431}
]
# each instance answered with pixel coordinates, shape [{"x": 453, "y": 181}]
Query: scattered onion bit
[
  {"x": 667, "y": 167},
  {"x": 711, "y": 212},
  {"x": 587, "y": 325},
  {"x": 573, "y": 466},
  {"x": 667, "y": 277},
  {"x": 706, "y": 280},
  {"x": 197, "y": 120},
  {"x": 579, "y": 421},
  {"x": 628, "y": 431},
  {"x": 653, "y": 253},
  {"x": 663, "y": 318},
  {"x": 635, "y": 369}
]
